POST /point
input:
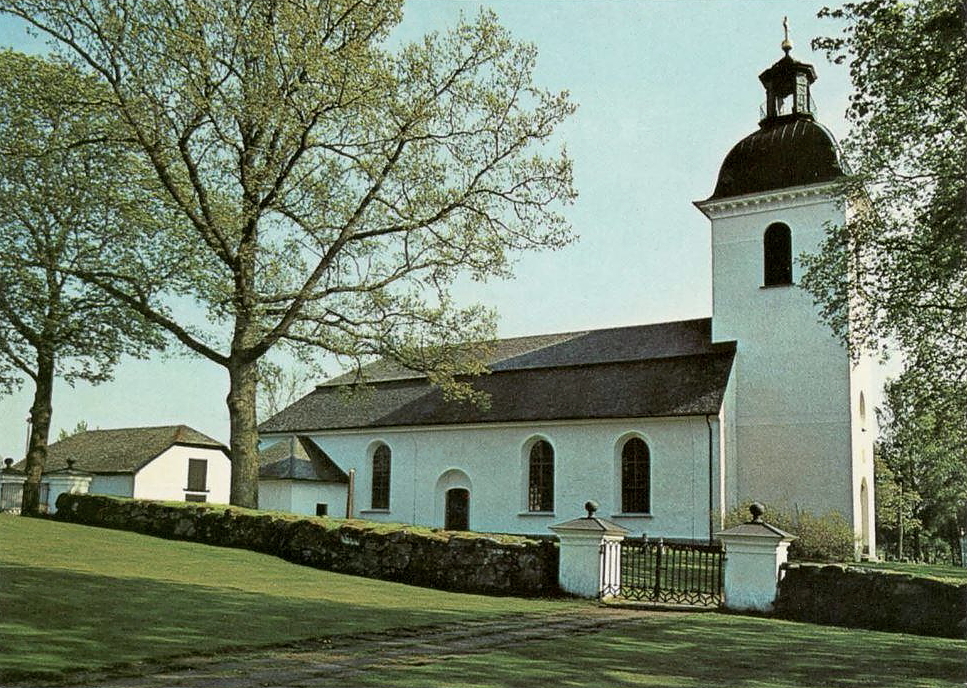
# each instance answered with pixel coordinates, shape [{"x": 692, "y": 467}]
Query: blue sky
[{"x": 664, "y": 88}]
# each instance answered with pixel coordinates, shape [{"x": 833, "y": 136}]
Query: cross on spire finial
[{"x": 786, "y": 43}]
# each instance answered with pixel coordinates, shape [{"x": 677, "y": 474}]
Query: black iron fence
[{"x": 663, "y": 571}]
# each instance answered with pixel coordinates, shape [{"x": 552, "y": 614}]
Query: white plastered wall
[
  {"x": 864, "y": 432},
  {"x": 793, "y": 389},
  {"x": 121, "y": 485},
  {"x": 302, "y": 496},
  {"x": 490, "y": 457},
  {"x": 166, "y": 476}
]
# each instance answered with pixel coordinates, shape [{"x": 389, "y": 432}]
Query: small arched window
[
  {"x": 540, "y": 480},
  {"x": 381, "y": 471},
  {"x": 777, "y": 255},
  {"x": 635, "y": 477}
]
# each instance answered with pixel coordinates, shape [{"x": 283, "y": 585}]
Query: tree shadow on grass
[
  {"x": 697, "y": 650},
  {"x": 56, "y": 621}
]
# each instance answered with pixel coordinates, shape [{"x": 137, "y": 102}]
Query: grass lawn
[
  {"x": 74, "y": 597},
  {"x": 698, "y": 650},
  {"x": 950, "y": 574}
]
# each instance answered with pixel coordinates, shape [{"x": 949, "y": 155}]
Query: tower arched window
[
  {"x": 382, "y": 458},
  {"x": 635, "y": 477},
  {"x": 540, "y": 480},
  {"x": 777, "y": 255}
]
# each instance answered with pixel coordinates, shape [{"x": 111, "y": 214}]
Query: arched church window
[
  {"x": 382, "y": 458},
  {"x": 777, "y": 255},
  {"x": 635, "y": 477},
  {"x": 540, "y": 481}
]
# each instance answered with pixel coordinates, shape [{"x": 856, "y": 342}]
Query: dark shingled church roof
[
  {"x": 122, "y": 450},
  {"x": 667, "y": 369},
  {"x": 299, "y": 458}
]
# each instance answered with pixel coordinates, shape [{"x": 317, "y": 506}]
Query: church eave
[{"x": 790, "y": 197}]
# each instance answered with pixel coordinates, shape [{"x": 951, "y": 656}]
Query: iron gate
[{"x": 663, "y": 571}]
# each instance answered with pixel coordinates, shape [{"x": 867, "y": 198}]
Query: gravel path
[{"x": 334, "y": 661}]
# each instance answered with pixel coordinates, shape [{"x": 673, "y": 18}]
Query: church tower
[{"x": 797, "y": 430}]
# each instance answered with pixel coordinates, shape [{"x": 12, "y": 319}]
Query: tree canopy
[
  {"x": 924, "y": 451},
  {"x": 328, "y": 189},
  {"x": 60, "y": 207},
  {"x": 894, "y": 275},
  {"x": 906, "y": 242}
]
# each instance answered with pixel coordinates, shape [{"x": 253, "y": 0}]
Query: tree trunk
[
  {"x": 244, "y": 437},
  {"x": 899, "y": 522},
  {"x": 40, "y": 413}
]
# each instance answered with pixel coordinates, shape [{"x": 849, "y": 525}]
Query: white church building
[{"x": 667, "y": 426}]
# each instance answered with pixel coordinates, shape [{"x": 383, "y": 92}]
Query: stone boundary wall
[
  {"x": 462, "y": 562},
  {"x": 842, "y": 595}
]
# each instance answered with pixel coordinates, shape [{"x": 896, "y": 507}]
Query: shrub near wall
[
  {"x": 462, "y": 562},
  {"x": 862, "y": 598}
]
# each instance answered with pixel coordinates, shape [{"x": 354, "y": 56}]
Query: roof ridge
[
  {"x": 533, "y": 343},
  {"x": 598, "y": 329},
  {"x": 137, "y": 427},
  {"x": 718, "y": 349}
]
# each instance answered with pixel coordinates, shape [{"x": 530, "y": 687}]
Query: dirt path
[{"x": 335, "y": 661}]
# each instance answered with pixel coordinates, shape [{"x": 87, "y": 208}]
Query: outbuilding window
[
  {"x": 197, "y": 475},
  {"x": 381, "y": 474},
  {"x": 777, "y": 255},
  {"x": 635, "y": 477},
  {"x": 540, "y": 483}
]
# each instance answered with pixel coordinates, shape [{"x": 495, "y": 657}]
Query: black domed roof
[{"x": 786, "y": 152}]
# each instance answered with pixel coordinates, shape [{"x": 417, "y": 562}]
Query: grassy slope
[
  {"x": 79, "y": 597},
  {"x": 949, "y": 574},
  {"x": 74, "y": 597},
  {"x": 698, "y": 650}
]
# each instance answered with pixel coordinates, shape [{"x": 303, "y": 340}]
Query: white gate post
[
  {"x": 582, "y": 571},
  {"x": 754, "y": 551},
  {"x": 68, "y": 480}
]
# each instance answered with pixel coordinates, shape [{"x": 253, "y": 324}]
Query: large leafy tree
[
  {"x": 55, "y": 149},
  {"x": 333, "y": 188},
  {"x": 924, "y": 452},
  {"x": 903, "y": 253},
  {"x": 894, "y": 275}
]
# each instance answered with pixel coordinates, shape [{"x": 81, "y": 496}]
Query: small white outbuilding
[
  {"x": 295, "y": 475},
  {"x": 171, "y": 462}
]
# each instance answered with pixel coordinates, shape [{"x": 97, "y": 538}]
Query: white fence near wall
[{"x": 11, "y": 496}]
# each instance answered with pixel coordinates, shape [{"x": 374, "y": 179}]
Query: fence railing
[
  {"x": 663, "y": 571},
  {"x": 12, "y": 495}
]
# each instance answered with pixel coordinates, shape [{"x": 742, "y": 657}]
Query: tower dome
[{"x": 790, "y": 148}]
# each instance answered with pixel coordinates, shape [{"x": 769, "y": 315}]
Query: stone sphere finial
[
  {"x": 591, "y": 507},
  {"x": 70, "y": 464},
  {"x": 756, "y": 509},
  {"x": 7, "y": 462}
]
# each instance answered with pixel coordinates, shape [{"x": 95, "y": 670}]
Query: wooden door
[{"x": 457, "y": 509}]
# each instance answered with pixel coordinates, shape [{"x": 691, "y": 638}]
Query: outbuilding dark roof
[
  {"x": 121, "y": 450},
  {"x": 299, "y": 458},
  {"x": 670, "y": 369},
  {"x": 787, "y": 152}
]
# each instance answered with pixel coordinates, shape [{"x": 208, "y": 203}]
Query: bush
[{"x": 819, "y": 538}]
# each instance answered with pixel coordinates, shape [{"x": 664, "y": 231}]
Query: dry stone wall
[
  {"x": 866, "y": 598},
  {"x": 464, "y": 562}
]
